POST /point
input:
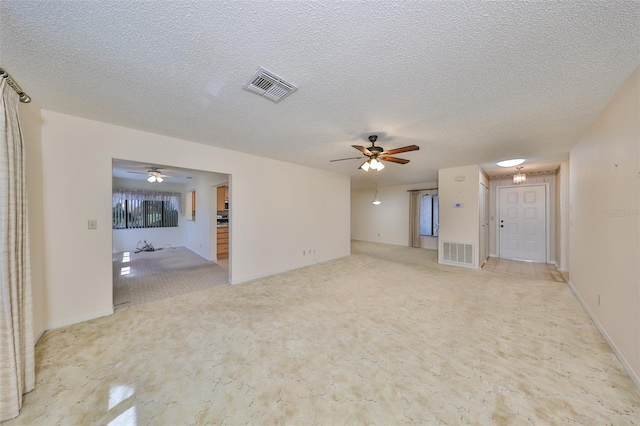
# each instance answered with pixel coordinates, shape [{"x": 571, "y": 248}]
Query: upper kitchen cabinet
[
  {"x": 223, "y": 195},
  {"x": 191, "y": 205}
]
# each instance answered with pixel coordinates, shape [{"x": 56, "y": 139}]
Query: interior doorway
[
  {"x": 522, "y": 222},
  {"x": 164, "y": 235}
]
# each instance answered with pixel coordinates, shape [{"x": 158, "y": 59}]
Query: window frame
[{"x": 434, "y": 213}]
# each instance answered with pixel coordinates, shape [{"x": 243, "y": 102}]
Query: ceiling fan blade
[
  {"x": 403, "y": 149},
  {"x": 137, "y": 173},
  {"x": 362, "y": 149},
  {"x": 341, "y": 159},
  {"x": 393, "y": 159}
]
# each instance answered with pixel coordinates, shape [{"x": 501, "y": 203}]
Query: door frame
[
  {"x": 483, "y": 204},
  {"x": 547, "y": 216}
]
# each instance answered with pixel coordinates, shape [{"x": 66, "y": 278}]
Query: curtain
[
  {"x": 17, "y": 366},
  {"x": 414, "y": 218}
]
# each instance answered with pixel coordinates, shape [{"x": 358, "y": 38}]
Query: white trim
[
  {"x": 632, "y": 374},
  {"x": 80, "y": 319},
  {"x": 38, "y": 336}
]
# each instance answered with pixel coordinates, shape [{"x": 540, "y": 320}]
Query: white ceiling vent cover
[{"x": 269, "y": 85}]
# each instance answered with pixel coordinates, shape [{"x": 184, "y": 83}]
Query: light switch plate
[{"x": 92, "y": 224}]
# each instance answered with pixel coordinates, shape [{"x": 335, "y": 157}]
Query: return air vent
[
  {"x": 269, "y": 85},
  {"x": 457, "y": 253}
]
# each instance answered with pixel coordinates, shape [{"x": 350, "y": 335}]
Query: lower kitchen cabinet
[{"x": 223, "y": 242}]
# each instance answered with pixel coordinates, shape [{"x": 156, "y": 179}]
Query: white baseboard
[
  {"x": 634, "y": 376},
  {"x": 80, "y": 319},
  {"x": 38, "y": 336}
]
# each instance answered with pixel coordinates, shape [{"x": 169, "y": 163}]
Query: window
[
  {"x": 429, "y": 215},
  {"x": 140, "y": 209}
]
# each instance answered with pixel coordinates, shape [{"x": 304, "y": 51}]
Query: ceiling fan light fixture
[
  {"x": 154, "y": 176},
  {"x": 375, "y": 154}
]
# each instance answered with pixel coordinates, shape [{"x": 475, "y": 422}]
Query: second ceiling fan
[{"x": 376, "y": 155}]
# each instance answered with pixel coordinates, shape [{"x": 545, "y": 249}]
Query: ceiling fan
[
  {"x": 376, "y": 155},
  {"x": 154, "y": 175}
]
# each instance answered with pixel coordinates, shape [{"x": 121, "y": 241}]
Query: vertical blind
[{"x": 145, "y": 209}]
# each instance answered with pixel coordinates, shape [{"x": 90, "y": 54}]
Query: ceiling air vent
[{"x": 269, "y": 85}]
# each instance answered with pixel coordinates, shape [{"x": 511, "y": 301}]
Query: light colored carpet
[
  {"x": 385, "y": 336},
  {"x": 149, "y": 276}
]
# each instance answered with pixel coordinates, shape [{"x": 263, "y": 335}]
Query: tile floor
[
  {"x": 386, "y": 336},
  {"x": 145, "y": 277},
  {"x": 540, "y": 271},
  {"x": 223, "y": 263}
]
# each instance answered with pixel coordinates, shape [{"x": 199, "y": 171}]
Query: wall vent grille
[
  {"x": 461, "y": 253},
  {"x": 270, "y": 86}
]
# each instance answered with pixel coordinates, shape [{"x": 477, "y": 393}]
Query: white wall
[
  {"x": 31, "y": 123},
  {"x": 388, "y": 222},
  {"x": 198, "y": 232},
  {"x": 279, "y": 209},
  {"x": 605, "y": 223},
  {"x": 562, "y": 217},
  {"x": 460, "y": 225},
  {"x": 128, "y": 239}
]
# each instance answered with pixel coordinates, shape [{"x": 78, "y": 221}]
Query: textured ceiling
[{"x": 469, "y": 82}]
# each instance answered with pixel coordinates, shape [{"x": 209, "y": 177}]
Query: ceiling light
[
  {"x": 154, "y": 176},
  {"x": 376, "y": 200},
  {"x": 372, "y": 163},
  {"x": 511, "y": 163},
  {"x": 519, "y": 177}
]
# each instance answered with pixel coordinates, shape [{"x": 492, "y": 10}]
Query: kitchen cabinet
[
  {"x": 191, "y": 205},
  {"x": 223, "y": 195},
  {"x": 223, "y": 242}
]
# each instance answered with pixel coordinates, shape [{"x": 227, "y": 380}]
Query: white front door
[{"x": 522, "y": 224}]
